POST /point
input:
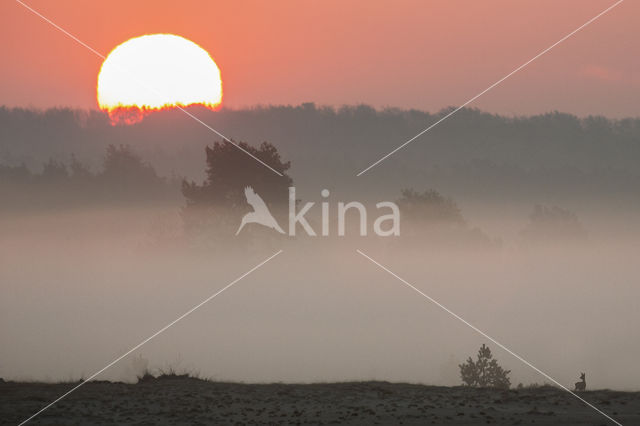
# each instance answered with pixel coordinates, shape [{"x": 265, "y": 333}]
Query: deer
[{"x": 580, "y": 386}]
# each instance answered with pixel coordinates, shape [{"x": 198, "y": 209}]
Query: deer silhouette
[{"x": 580, "y": 386}]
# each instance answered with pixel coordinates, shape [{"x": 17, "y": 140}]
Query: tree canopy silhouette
[
  {"x": 122, "y": 164},
  {"x": 429, "y": 207},
  {"x": 548, "y": 223},
  {"x": 219, "y": 201},
  {"x": 125, "y": 177},
  {"x": 430, "y": 218}
]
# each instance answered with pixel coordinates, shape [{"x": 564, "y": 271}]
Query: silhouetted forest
[
  {"x": 473, "y": 153},
  {"x": 123, "y": 179}
]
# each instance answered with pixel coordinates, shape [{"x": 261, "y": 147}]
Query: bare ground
[{"x": 169, "y": 400}]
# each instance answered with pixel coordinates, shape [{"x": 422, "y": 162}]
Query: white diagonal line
[
  {"x": 491, "y": 87},
  {"x": 476, "y": 329},
  {"x": 77, "y": 40},
  {"x": 163, "y": 329}
]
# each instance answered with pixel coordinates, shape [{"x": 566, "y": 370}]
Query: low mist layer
[{"x": 81, "y": 287}]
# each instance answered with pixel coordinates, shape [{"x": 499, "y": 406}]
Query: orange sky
[{"x": 421, "y": 54}]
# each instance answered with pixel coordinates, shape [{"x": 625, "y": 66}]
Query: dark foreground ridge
[{"x": 176, "y": 399}]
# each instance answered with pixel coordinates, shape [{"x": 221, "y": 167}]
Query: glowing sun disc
[{"x": 157, "y": 71}]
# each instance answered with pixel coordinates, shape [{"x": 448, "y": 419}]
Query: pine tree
[
  {"x": 215, "y": 207},
  {"x": 485, "y": 371}
]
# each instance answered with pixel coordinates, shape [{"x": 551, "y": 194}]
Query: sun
[{"x": 158, "y": 71}]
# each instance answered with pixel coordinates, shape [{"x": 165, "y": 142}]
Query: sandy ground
[{"x": 184, "y": 400}]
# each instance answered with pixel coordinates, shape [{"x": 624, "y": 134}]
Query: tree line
[
  {"x": 212, "y": 209},
  {"x": 124, "y": 178}
]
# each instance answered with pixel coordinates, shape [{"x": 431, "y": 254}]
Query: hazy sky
[{"x": 420, "y": 54}]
